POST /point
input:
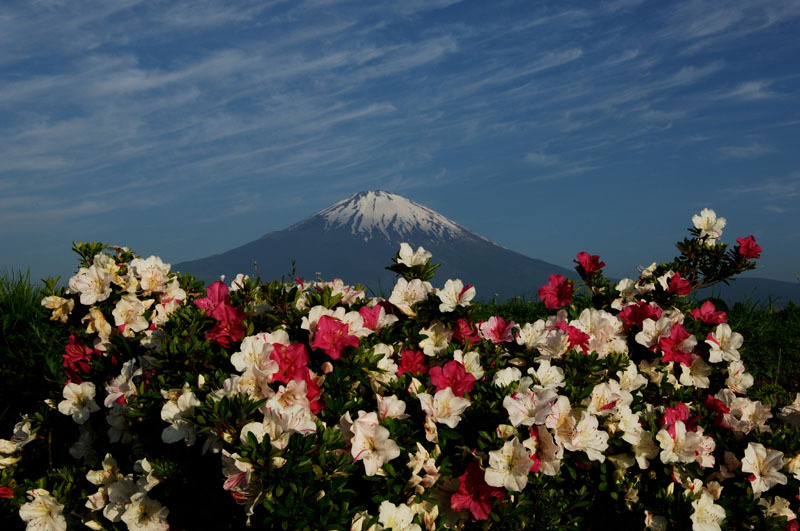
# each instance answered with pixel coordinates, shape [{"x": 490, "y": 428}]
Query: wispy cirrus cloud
[
  {"x": 198, "y": 100},
  {"x": 751, "y": 150},
  {"x": 751, "y": 90}
]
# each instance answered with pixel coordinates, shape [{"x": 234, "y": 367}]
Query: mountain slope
[{"x": 356, "y": 238}]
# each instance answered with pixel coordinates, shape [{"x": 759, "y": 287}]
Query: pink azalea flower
[
  {"x": 333, "y": 336},
  {"x": 589, "y": 263},
  {"x": 454, "y": 376},
  {"x": 497, "y": 330},
  {"x": 635, "y": 314},
  {"x": 292, "y": 362},
  {"x": 679, "y": 285},
  {"x": 673, "y": 347},
  {"x": 412, "y": 362},
  {"x": 218, "y": 298},
  {"x": 556, "y": 293},
  {"x": 749, "y": 248},
  {"x": 708, "y": 314},
  {"x": 474, "y": 494},
  {"x": 370, "y": 316}
]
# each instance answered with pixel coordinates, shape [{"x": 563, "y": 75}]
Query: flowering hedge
[{"x": 307, "y": 405}]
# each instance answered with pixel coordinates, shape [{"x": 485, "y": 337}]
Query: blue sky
[{"x": 185, "y": 129}]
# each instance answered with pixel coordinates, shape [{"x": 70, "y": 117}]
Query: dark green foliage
[{"x": 30, "y": 346}]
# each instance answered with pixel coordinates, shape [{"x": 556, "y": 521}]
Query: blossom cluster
[{"x": 311, "y": 395}]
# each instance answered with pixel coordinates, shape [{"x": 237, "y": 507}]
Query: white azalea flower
[
  {"x": 529, "y": 407},
  {"x": 43, "y": 512},
  {"x": 547, "y": 376},
  {"x": 454, "y": 294},
  {"x": 406, "y": 294},
  {"x": 444, "y": 407},
  {"x": 153, "y": 274},
  {"x": 707, "y": 515},
  {"x": 129, "y": 315},
  {"x": 709, "y": 225},
  {"x": 93, "y": 284},
  {"x": 587, "y": 438},
  {"x": 779, "y": 507},
  {"x": 123, "y": 385},
  {"x": 391, "y": 407},
  {"x": 78, "y": 401},
  {"x": 791, "y": 413},
  {"x": 411, "y": 258},
  {"x": 724, "y": 344},
  {"x": 738, "y": 380},
  {"x": 696, "y": 375},
  {"x": 437, "y": 339},
  {"x": 180, "y": 403},
  {"x": 471, "y": 362},
  {"x": 61, "y": 307},
  {"x": 397, "y": 517},
  {"x": 686, "y": 446},
  {"x": 371, "y": 443},
  {"x": 145, "y": 514},
  {"x": 509, "y": 466},
  {"x": 631, "y": 379},
  {"x": 507, "y": 376},
  {"x": 763, "y": 464},
  {"x": 96, "y": 323},
  {"x": 606, "y": 331},
  {"x": 607, "y": 397}
]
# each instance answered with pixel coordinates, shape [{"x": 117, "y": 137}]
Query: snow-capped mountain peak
[{"x": 380, "y": 214}]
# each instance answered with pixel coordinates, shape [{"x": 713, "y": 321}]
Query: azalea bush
[{"x": 307, "y": 405}]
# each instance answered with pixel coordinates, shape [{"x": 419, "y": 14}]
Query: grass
[{"x": 30, "y": 347}]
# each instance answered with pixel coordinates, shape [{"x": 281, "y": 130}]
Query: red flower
[
  {"x": 370, "y": 316},
  {"x": 216, "y": 301},
  {"x": 314, "y": 394},
  {"x": 678, "y": 413},
  {"x": 556, "y": 293},
  {"x": 454, "y": 376},
  {"x": 749, "y": 248},
  {"x": 679, "y": 285},
  {"x": 292, "y": 362},
  {"x": 577, "y": 337},
  {"x": 333, "y": 336},
  {"x": 475, "y": 494},
  {"x": 715, "y": 404},
  {"x": 226, "y": 333},
  {"x": 708, "y": 314},
  {"x": 413, "y": 362},
  {"x": 465, "y": 332},
  {"x": 589, "y": 263},
  {"x": 76, "y": 359},
  {"x": 5, "y": 492},
  {"x": 671, "y": 346},
  {"x": 635, "y": 314}
]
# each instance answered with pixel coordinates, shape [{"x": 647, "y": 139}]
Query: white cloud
[
  {"x": 751, "y": 90},
  {"x": 749, "y": 151},
  {"x": 541, "y": 159}
]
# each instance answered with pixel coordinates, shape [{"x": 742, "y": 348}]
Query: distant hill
[
  {"x": 356, "y": 238},
  {"x": 755, "y": 290}
]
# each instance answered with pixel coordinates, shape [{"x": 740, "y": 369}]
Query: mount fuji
[{"x": 356, "y": 238}]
